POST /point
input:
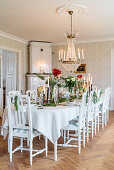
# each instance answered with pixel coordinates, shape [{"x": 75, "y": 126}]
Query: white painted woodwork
[
  {"x": 11, "y": 72},
  {"x": 112, "y": 80},
  {"x": 1, "y": 87},
  {"x": 18, "y": 127},
  {"x": 38, "y": 57},
  {"x": 33, "y": 82}
]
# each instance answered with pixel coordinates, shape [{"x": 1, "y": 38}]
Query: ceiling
[{"x": 38, "y": 20}]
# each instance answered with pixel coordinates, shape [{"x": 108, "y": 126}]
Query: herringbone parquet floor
[{"x": 97, "y": 155}]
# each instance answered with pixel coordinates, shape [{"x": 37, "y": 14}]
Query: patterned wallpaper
[
  {"x": 98, "y": 61},
  {"x": 24, "y": 56}
]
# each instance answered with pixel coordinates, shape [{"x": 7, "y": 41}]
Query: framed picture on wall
[{"x": 81, "y": 69}]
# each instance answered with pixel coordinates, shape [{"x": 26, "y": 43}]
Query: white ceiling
[{"x": 38, "y": 20}]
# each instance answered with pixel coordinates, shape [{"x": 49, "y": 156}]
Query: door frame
[
  {"x": 112, "y": 80},
  {"x": 1, "y": 110},
  {"x": 19, "y": 63}
]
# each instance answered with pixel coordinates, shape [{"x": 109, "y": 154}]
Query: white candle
[
  {"x": 82, "y": 54},
  {"x": 78, "y": 53},
  {"x": 59, "y": 55},
  {"x": 48, "y": 81},
  {"x": 87, "y": 81},
  {"x": 44, "y": 91},
  {"x": 84, "y": 80},
  {"x": 91, "y": 80},
  {"x": 64, "y": 56},
  {"x": 89, "y": 76}
]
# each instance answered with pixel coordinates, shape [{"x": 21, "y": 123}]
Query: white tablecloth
[{"x": 48, "y": 121}]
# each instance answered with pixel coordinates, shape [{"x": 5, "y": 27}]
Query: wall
[
  {"x": 13, "y": 44},
  {"x": 98, "y": 61}
]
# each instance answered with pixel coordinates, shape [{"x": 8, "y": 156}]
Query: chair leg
[
  {"x": 92, "y": 128},
  {"x": 107, "y": 115},
  {"x": 67, "y": 134},
  {"x": 102, "y": 121},
  {"x": 105, "y": 118},
  {"x": 46, "y": 145},
  {"x": 64, "y": 136},
  {"x": 98, "y": 123},
  {"x": 95, "y": 125},
  {"x": 27, "y": 142},
  {"x": 21, "y": 144},
  {"x": 61, "y": 132},
  {"x": 79, "y": 142},
  {"x": 84, "y": 136},
  {"x": 87, "y": 128},
  {"x": 31, "y": 152},
  {"x": 10, "y": 144}
]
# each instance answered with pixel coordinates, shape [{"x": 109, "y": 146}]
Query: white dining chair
[
  {"x": 32, "y": 94},
  {"x": 104, "y": 108},
  {"x": 14, "y": 92},
  {"x": 19, "y": 127},
  {"x": 77, "y": 125},
  {"x": 89, "y": 116}
]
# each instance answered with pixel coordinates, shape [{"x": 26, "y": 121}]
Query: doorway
[
  {"x": 112, "y": 79},
  {"x": 9, "y": 76}
]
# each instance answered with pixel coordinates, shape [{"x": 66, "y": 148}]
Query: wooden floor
[{"x": 97, "y": 155}]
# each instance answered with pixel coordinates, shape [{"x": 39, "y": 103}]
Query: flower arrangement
[
  {"x": 79, "y": 76},
  {"x": 79, "y": 82},
  {"x": 95, "y": 97},
  {"x": 70, "y": 82},
  {"x": 56, "y": 72}
]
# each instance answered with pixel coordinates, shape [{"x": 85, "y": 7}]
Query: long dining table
[{"x": 48, "y": 121}]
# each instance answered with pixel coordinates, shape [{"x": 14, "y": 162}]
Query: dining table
[{"x": 48, "y": 121}]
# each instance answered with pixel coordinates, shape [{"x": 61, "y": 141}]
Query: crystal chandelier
[{"x": 71, "y": 56}]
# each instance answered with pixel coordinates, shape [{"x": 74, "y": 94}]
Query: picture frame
[{"x": 81, "y": 69}]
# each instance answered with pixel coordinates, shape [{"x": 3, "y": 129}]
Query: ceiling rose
[{"x": 77, "y": 9}]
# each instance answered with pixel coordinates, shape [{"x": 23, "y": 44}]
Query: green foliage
[
  {"x": 87, "y": 97},
  {"x": 101, "y": 93},
  {"x": 40, "y": 76},
  {"x": 15, "y": 102},
  {"x": 50, "y": 104},
  {"x": 95, "y": 97},
  {"x": 62, "y": 100},
  {"x": 70, "y": 82}
]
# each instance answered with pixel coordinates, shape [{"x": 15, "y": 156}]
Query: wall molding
[
  {"x": 12, "y": 37},
  {"x": 85, "y": 41},
  {"x": 58, "y": 43}
]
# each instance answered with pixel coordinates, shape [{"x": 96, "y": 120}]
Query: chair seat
[
  {"x": 74, "y": 121},
  {"x": 71, "y": 127},
  {"x": 25, "y": 132}
]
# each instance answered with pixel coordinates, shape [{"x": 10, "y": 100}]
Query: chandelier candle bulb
[
  {"x": 82, "y": 54},
  {"x": 64, "y": 56},
  {"x": 78, "y": 53},
  {"x": 59, "y": 55}
]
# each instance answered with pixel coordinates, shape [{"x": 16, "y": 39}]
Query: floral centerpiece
[
  {"x": 79, "y": 84},
  {"x": 70, "y": 83}
]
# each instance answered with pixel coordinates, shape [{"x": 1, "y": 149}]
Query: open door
[{"x": 1, "y": 87}]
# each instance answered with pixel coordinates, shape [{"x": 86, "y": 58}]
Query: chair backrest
[
  {"x": 106, "y": 98},
  {"x": 14, "y": 92},
  {"x": 19, "y": 113},
  {"x": 82, "y": 114},
  {"x": 90, "y": 107},
  {"x": 32, "y": 94},
  {"x": 95, "y": 88}
]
